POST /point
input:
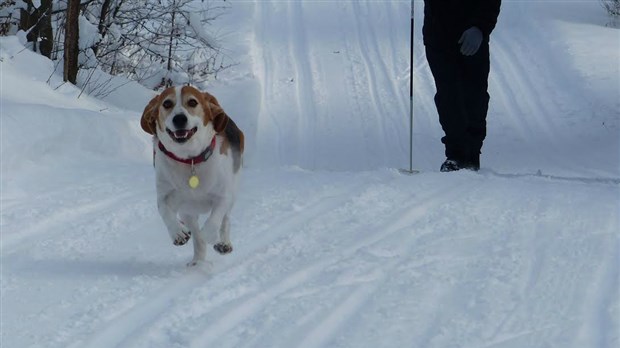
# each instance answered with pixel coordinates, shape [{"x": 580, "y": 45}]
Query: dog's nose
[{"x": 179, "y": 120}]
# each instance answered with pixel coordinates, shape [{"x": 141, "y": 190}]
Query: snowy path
[
  {"x": 307, "y": 63},
  {"x": 343, "y": 85},
  {"x": 524, "y": 253},
  {"x": 440, "y": 262}
]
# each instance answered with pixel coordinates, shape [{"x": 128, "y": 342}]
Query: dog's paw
[
  {"x": 223, "y": 248},
  {"x": 194, "y": 263},
  {"x": 182, "y": 237},
  {"x": 200, "y": 265}
]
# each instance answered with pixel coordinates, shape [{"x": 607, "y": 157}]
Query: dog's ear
[
  {"x": 218, "y": 117},
  {"x": 149, "y": 116},
  {"x": 210, "y": 98}
]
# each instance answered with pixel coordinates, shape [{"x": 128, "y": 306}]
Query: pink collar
[{"x": 203, "y": 157}]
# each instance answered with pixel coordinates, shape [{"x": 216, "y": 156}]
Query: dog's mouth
[{"x": 181, "y": 135}]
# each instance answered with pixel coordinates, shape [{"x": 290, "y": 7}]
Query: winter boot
[
  {"x": 449, "y": 165},
  {"x": 473, "y": 163}
]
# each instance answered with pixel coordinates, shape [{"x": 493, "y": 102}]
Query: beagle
[{"x": 198, "y": 153}]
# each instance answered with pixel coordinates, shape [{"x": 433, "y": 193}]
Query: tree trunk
[
  {"x": 24, "y": 17},
  {"x": 72, "y": 30},
  {"x": 37, "y": 22},
  {"x": 27, "y": 19},
  {"x": 172, "y": 34},
  {"x": 45, "y": 28},
  {"x": 102, "y": 27}
]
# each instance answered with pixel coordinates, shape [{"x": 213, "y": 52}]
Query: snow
[
  {"x": 89, "y": 34},
  {"x": 333, "y": 246}
]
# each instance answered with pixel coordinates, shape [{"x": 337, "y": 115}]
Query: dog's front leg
[
  {"x": 211, "y": 229},
  {"x": 224, "y": 246},
  {"x": 200, "y": 247},
  {"x": 168, "y": 207},
  {"x": 216, "y": 229}
]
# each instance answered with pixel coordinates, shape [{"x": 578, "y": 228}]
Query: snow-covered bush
[
  {"x": 155, "y": 42},
  {"x": 157, "y": 45},
  {"x": 7, "y": 16},
  {"x": 612, "y": 7}
]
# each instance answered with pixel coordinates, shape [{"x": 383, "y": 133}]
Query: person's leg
[
  {"x": 446, "y": 70},
  {"x": 476, "y": 73}
]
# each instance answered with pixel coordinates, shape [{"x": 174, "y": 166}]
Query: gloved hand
[{"x": 470, "y": 41}]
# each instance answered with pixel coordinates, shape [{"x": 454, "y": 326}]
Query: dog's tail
[{"x": 236, "y": 139}]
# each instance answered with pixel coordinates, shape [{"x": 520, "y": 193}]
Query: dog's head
[{"x": 184, "y": 119}]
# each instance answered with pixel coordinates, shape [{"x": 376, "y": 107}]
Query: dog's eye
[
  {"x": 167, "y": 104},
  {"x": 192, "y": 103}
]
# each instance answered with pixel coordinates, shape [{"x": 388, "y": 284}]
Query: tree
[
  {"x": 8, "y": 8},
  {"x": 37, "y": 22},
  {"x": 71, "y": 46},
  {"x": 154, "y": 42},
  {"x": 159, "y": 44},
  {"x": 612, "y": 7}
]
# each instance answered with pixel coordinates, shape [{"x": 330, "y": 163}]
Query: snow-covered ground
[{"x": 333, "y": 246}]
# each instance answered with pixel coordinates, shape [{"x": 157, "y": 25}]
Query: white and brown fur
[{"x": 180, "y": 205}]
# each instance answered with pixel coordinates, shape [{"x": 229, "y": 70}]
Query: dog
[{"x": 197, "y": 155}]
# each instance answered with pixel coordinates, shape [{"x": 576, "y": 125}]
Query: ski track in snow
[
  {"x": 306, "y": 274},
  {"x": 59, "y": 218},
  {"x": 526, "y": 254},
  {"x": 126, "y": 326},
  {"x": 284, "y": 265}
]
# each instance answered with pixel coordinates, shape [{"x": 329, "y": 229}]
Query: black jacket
[{"x": 446, "y": 20}]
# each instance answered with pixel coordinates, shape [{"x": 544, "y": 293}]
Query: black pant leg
[
  {"x": 476, "y": 74},
  {"x": 447, "y": 71}
]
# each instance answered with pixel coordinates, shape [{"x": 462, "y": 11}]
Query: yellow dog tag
[{"x": 193, "y": 181}]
